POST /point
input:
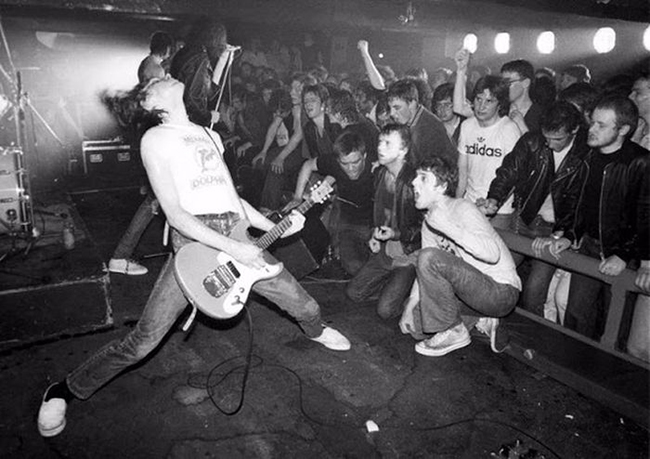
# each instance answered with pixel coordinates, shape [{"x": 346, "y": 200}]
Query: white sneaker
[
  {"x": 444, "y": 342},
  {"x": 128, "y": 267},
  {"x": 488, "y": 326},
  {"x": 333, "y": 340},
  {"x": 51, "y": 416}
]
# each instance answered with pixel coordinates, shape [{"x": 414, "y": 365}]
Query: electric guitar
[{"x": 218, "y": 285}]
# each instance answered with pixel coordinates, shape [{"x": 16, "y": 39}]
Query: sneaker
[
  {"x": 489, "y": 326},
  {"x": 128, "y": 267},
  {"x": 444, "y": 342},
  {"x": 333, "y": 340},
  {"x": 51, "y": 415}
]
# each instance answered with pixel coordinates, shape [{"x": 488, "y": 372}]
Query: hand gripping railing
[{"x": 575, "y": 262}]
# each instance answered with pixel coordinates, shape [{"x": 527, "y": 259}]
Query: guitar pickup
[{"x": 233, "y": 269}]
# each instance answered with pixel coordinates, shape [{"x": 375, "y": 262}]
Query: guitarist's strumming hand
[
  {"x": 247, "y": 254},
  {"x": 297, "y": 223}
]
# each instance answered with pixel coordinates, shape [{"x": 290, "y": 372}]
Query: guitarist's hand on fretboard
[
  {"x": 297, "y": 223},
  {"x": 247, "y": 254}
]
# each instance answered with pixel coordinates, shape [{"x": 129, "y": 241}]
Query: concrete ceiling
[{"x": 629, "y": 10}]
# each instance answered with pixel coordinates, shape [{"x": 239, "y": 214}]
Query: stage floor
[{"x": 301, "y": 401}]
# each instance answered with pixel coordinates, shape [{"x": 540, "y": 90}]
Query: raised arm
[
  {"x": 376, "y": 80},
  {"x": 461, "y": 105}
]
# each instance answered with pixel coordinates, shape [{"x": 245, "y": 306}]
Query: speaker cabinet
[{"x": 302, "y": 253}]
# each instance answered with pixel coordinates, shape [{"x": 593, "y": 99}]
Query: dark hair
[
  {"x": 560, "y": 115},
  {"x": 303, "y": 78},
  {"x": 582, "y": 95},
  {"x": 545, "y": 72},
  {"x": 318, "y": 89},
  {"x": 319, "y": 72},
  {"x": 498, "y": 87},
  {"x": 368, "y": 90},
  {"x": 209, "y": 33},
  {"x": 160, "y": 43},
  {"x": 442, "y": 92},
  {"x": 521, "y": 67},
  {"x": 543, "y": 91},
  {"x": 580, "y": 72},
  {"x": 240, "y": 92},
  {"x": 271, "y": 84},
  {"x": 403, "y": 131},
  {"x": 424, "y": 90},
  {"x": 620, "y": 84},
  {"x": 626, "y": 111},
  {"x": 404, "y": 89},
  {"x": 342, "y": 103},
  {"x": 126, "y": 108},
  {"x": 280, "y": 100},
  {"x": 444, "y": 171},
  {"x": 418, "y": 72},
  {"x": 347, "y": 143},
  {"x": 382, "y": 104}
]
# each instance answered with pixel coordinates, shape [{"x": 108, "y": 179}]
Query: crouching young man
[{"x": 465, "y": 272}]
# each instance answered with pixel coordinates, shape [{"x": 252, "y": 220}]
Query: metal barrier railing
[{"x": 575, "y": 262}]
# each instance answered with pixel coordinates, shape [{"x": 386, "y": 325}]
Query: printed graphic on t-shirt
[
  {"x": 213, "y": 171},
  {"x": 481, "y": 148}
]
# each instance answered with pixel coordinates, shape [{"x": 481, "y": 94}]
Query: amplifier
[{"x": 110, "y": 157}]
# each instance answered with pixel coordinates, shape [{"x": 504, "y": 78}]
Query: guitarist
[{"x": 187, "y": 172}]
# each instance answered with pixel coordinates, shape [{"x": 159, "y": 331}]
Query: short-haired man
[
  {"x": 463, "y": 269},
  {"x": 366, "y": 97},
  {"x": 443, "y": 106},
  {"x": 354, "y": 184},
  {"x": 342, "y": 110},
  {"x": 485, "y": 139},
  {"x": 613, "y": 212},
  {"x": 520, "y": 76},
  {"x": 578, "y": 73},
  {"x": 428, "y": 135},
  {"x": 397, "y": 228},
  {"x": 160, "y": 45},
  {"x": 546, "y": 170},
  {"x": 319, "y": 131}
]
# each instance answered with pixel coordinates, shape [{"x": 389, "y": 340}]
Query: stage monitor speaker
[{"x": 302, "y": 253}]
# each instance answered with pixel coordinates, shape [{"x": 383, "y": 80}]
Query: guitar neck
[{"x": 274, "y": 233}]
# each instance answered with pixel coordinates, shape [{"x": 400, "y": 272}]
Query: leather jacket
[
  {"x": 409, "y": 219},
  {"x": 529, "y": 169},
  {"x": 624, "y": 205}
]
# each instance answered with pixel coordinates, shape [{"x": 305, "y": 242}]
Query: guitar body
[
  {"x": 219, "y": 286},
  {"x": 213, "y": 281}
]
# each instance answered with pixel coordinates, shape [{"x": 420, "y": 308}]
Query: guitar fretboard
[{"x": 274, "y": 233}]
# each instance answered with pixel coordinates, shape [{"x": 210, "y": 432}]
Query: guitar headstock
[{"x": 321, "y": 191}]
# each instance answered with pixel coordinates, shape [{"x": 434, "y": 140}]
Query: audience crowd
[{"x": 558, "y": 156}]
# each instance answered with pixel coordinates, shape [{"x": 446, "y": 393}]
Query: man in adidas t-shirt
[{"x": 484, "y": 141}]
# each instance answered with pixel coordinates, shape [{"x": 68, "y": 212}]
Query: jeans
[
  {"x": 353, "y": 246},
  {"x": 380, "y": 277},
  {"x": 137, "y": 227},
  {"x": 451, "y": 288},
  {"x": 165, "y": 304},
  {"x": 539, "y": 278},
  {"x": 588, "y": 297}
]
